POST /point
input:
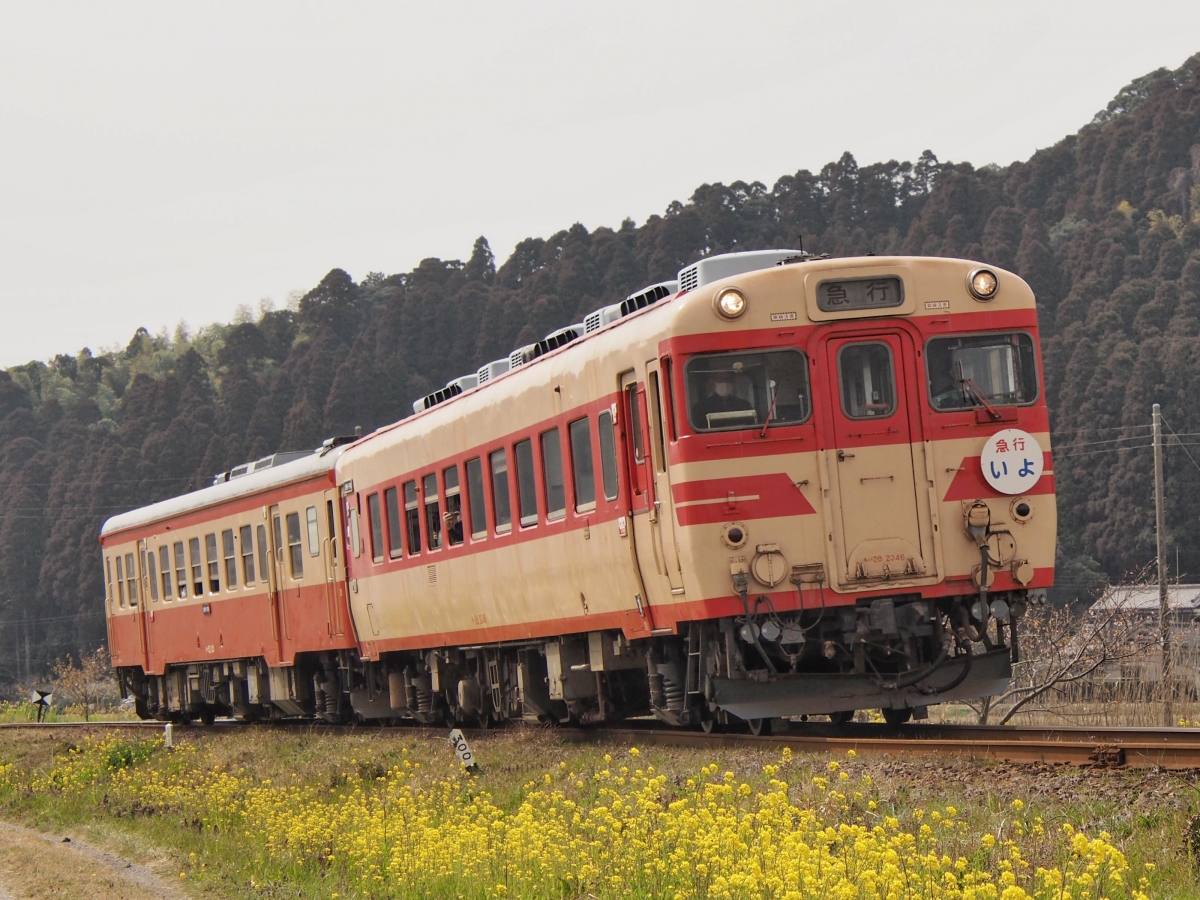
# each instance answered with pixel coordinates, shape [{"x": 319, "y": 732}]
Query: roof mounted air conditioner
[
  {"x": 714, "y": 268},
  {"x": 648, "y": 295},
  {"x": 494, "y": 369},
  {"x": 594, "y": 321}
]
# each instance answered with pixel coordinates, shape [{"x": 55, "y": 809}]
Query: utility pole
[{"x": 1164, "y": 606}]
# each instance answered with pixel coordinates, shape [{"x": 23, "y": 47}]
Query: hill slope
[{"x": 1105, "y": 225}]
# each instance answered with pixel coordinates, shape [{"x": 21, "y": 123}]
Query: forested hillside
[{"x": 1105, "y": 225}]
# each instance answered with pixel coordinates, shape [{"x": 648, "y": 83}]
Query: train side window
[
  {"x": 392, "y": 502},
  {"x": 501, "y": 511},
  {"x": 375, "y": 520},
  {"x": 230, "y": 552},
  {"x": 181, "y": 579},
  {"x": 581, "y": 465},
  {"x": 552, "y": 475},
  {"x": 526, "y": 491},
  {"x": 355, "y": 536},
  {"x": 152, "y": 573},
  {"x": 246, "y": 536},
  {"x": 475, "y": 499},
  {"x": 131, "y": 579},
  {"x": 727, "y": 391},
  {"x": 412, "y": 517},
  {"x": 214, "y": 565},
  {"x": 333, "y": 532},
  {"x": 314, "y": 532},
  {"x": 197, "y": 566},
  {"x": 657, "y": 423},
  {"x": 263, "y": 553},
  {"x": 635, "y": 422},
  {"x": 453, "y": 514},
  {"x": 164, "y": 571},
  {"x": 868, "y": 380},
  {"x": 433, "y": 515},
  {"x": 608, "y": 454},
  {"x": 295, "y": 549},
  {"x": 120, "y": 581}
]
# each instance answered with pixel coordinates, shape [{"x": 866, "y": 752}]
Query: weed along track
[{"x": 1166, "y": 748}]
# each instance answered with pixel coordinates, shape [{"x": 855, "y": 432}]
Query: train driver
[{"x": 719, "y": 398}]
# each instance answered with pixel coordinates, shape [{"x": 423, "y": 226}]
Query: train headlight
[
  {"x": 983, "y": 284},
  {"x": 730, "y": 303}
]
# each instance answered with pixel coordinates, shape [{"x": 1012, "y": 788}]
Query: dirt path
[{"x": 37, "y": 866}]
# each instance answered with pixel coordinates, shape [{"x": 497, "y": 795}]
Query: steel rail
[{"x": 1168, "y": 748}]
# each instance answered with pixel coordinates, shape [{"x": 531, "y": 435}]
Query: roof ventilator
[
  {"x": 521, "y": 355},
  {"x": 430, "y": 400},
  {"x": 267, "y": 462},
  {"x": 647, "y": 296}
]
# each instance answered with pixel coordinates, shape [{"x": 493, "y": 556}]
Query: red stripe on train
[
  {"x": 752, "y": 497},
  {"x": 969, "y": 483}
]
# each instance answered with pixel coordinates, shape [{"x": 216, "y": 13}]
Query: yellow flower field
[{"x": 618, "y": 829}]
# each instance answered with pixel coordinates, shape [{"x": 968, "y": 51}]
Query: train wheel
[
  {"x": 841, "y": 718},
  {"x": 896, "y": 716},
  {"x": 759, "y": 726},
  {"x": 708, "y": 726}
]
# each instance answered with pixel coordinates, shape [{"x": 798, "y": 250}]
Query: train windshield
[
  {"x": 747, "y": 390},
  {"x": 975, "y": 370}
]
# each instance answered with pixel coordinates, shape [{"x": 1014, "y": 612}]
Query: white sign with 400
[{"x": 1012, "y": 461}]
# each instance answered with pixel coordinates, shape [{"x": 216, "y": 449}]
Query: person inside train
[{"x": 720, "y": 398}]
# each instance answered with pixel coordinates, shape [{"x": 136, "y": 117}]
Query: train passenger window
[
  {"x": 962, "y": 372},
  {"x": 230, "y": 559},
  {"x": 131, "y": 579},
  {"x": 314, "y": 533},
  {"x": 333, "y": 532},
  {"x": 433, "y": 516},
  {"x": 868, "y": 380},
  {"x": 581, "y": 464},
  {"x": 355, "y": 536},
  {"x": 246, "y": 536},
  {"x": 376, "y": 521},
  {"x": 391, "y": 501},
  {"x": 635, "y": 422},
  {"x": 501, "y": 512},
  {"x": 475, "y": 498},
  {"x": 152, "y": 572},
  {"x": 412, "y": 517},
  {"x": 453, "y": 514},
  {"x": 526, "y": 492},
  {"x": 108, "y": 578},
  {"x": 295, "y": 550},
  {"x": 608, "y": 454},
  {"x": 120, "y": 582},
  {"x": 164, "y": 568},
  {"x": 180, "y": 572},
  {"x": 747, "y": 389},
  {"x": 214, "y": 565},
  {"x": 263, "y": 553},
  {"x": 552, "y": 475},
  {"x": 197, "y": 566}
]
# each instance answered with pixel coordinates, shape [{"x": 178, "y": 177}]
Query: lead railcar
[{"x": 782, "y": 485}]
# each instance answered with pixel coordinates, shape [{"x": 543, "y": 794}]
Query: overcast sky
[{"x": 162, "y": 162}]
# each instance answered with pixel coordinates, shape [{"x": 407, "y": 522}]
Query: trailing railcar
[{"x": 783, "y": 485}]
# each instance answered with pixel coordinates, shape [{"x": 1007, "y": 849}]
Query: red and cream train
[{"x": 783, "y": 485}]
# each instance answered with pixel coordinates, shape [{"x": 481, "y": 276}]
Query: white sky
[{"x": 167, "y": 161}]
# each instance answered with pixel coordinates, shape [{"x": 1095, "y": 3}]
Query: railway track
[{"x": 1167, "y": 748}]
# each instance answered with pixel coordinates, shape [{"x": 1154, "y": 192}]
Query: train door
[
  {"x": 642, "y": 496},
  {"x": 143, "y": 604},
  {"x": 277, "y": 594},
  {"x": 335, "y": 579},
  {"x": 872, "y": 458},
  {"x": 662, "y": 513}
]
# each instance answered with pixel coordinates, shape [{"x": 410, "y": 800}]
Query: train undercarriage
[{"x": 898, "y": 654}]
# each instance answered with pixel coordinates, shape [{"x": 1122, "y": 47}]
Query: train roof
[{"x": 308, "y": 466}]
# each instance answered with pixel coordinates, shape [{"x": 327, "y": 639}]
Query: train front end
[{"x": 861, "y": 483}]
